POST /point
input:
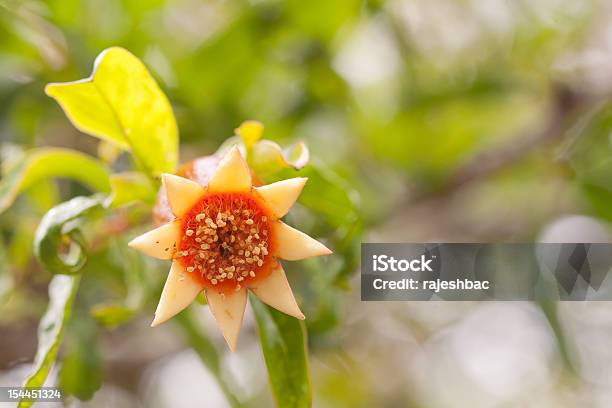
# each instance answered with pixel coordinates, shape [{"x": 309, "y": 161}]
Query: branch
[{"x": 566, "y": 108}]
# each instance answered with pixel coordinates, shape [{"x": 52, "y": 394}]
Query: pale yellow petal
[
  {"x": 280, "y": 196},
  {"x": 276, "y": 292},
  {"x": 293, "y": 245},
  {"x": 179, "y": 291},
  {"x": 232, "y": 174},
  {"x": 160, "y": 243},
  {"x": 182, "y": 193},
  {"x": 228, "y": 310}
]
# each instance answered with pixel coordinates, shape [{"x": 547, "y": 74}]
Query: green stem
[
  {"x": 549, "y": 309},
  {"x": 207, "y": 352}
]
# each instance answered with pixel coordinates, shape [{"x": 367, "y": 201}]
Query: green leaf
[
  {"x": 590, "y": 157},
  {"x": 60, "y": 227},
  {"x": 599, "y": 200},
  {"x": 330, "y": 195},
  {"x": 283, "y": 342},
  {"x": 131, "y": 187},
  {"x": 6, "y": 282},
  {"x": 44, "y": 163},
  {"x": 81, "y": 370},
  {"x": 112, "y": 315},
  {"x": 121, "y": 103},
  {"x": 62, "y": 290},
  {"x": 19, "y": 248},
  {"x": 267, "y": 158}
]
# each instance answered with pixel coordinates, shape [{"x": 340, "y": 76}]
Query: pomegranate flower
[{"x": 226, "y": 238}]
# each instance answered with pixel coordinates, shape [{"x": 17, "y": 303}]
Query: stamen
[{"x": 226, "y": 240}]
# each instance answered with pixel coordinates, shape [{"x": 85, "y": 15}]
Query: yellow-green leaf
[
  {"x": 121, "y": 103},
  {"x": 44, "y": 163}
]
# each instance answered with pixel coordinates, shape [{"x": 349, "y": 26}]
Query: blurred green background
[{"x": 427, "y": 120}]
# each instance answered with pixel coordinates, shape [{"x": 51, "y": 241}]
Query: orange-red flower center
[{"x": 226, "y": 241}]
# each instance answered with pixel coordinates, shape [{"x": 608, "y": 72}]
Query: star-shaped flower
[{"x": 226, "y": 239}]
